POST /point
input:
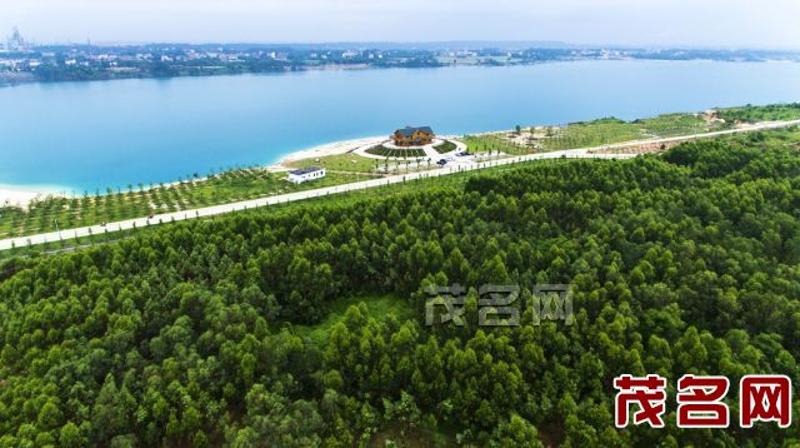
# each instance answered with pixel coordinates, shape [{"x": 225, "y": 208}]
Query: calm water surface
[{"x": 89, "y": 135}]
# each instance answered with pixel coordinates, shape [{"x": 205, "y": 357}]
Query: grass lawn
[
  {"x": 607, "y": 131},
  {"x": 761, "y": 113},
  {"x": 485, "y": 143},
  {"x": 594, "y": 133},
  {"x": 600, "y": 132},
  {"x": 445, "y": 147},
  {"x": 377, "y": 307},
  {"x": 339, "y": 162},
  {"x": 669, "y": 125}
]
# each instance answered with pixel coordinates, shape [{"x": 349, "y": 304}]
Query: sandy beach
[
  {"x": 22, "y": 196},
  {"x": 328, "y": 149}
]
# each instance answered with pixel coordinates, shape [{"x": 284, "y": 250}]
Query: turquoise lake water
[{"x": 90, "y": 135}]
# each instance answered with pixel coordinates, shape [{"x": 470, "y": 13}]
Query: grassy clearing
[
  {"x": 594, "y": 133},
  {"x": 51, "y": 214},
  {"x": 669, "y": 125},
  {"x": 379, "y": 307},
  {"x": 340, "y": 162},
  {"x": 401, "y": 436},
  {"x": 607, "y": 131},
  {"x": 494, "y": 143},
  {"x": 751, "y": 113},
  {"x": 599, "y": 132}
]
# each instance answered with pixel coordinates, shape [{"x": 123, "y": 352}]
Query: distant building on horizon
[
  {"x": 413, "y": 136},
  {"x": 16, "y": 42},
  {"x": 306, "y": 174}
]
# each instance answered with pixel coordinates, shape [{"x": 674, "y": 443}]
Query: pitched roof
[{"x": 408, "y": 131}]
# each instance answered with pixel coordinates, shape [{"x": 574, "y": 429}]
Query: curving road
[{"x": 579, "y": 153}]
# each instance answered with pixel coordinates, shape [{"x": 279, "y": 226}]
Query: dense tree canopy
[{"x": 188, "y": 335}]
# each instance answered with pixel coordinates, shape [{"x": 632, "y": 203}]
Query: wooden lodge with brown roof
[{"x": 410, "y": 136}]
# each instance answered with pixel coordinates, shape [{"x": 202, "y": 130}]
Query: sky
[{"x": 694, "y": 23}]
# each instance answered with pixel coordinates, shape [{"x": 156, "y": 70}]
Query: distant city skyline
[{"x": 655, "y": 23}]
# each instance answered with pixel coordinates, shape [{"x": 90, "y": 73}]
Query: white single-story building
[{"x": 306, "y": 174}]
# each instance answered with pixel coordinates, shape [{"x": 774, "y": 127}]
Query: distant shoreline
[
  {"x": 12, "y": 79},
  {"x": 30, "y": 79}
]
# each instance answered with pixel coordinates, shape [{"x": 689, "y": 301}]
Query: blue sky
[{"x": 713, "y": 23}]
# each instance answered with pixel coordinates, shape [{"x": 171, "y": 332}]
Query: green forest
[{"x": 304, "y": 326}]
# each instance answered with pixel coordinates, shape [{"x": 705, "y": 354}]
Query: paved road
[{"x": 580, "y": 153}]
